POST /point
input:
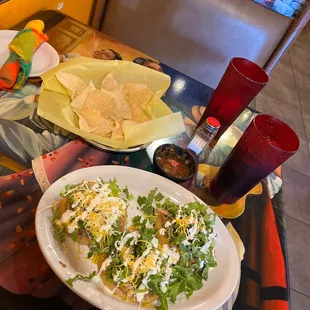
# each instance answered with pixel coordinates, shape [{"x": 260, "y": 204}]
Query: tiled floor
[{"x": 287, "y": 96}]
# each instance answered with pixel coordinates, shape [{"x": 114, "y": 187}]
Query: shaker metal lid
[{"x": 213, "y": 123}]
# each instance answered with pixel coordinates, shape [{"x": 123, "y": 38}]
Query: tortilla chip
[
  {"x": 88, "y": 119},
  {"x": 80, "y": 100},
  {"x": 128, "y": 123},
  {"x": 138, "y": 115},
  {"x": 121, "y": 107},
  {"x": 108, "y": 111},
  {"x": 105, "y": 127},
  {"x": 109, "y": 83},
  {"x": 138, "y": 94},
  {"x": 101, "y": 101},
  {"x": 117, "y": 131},
  {"x": 83, "y": 124},
  {"x": 72, "y": 83}
]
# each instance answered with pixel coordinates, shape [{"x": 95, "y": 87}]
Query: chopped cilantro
[
  {"x": 81, "y": 224},
  {"x": 141, "y": 200},
  {"x": 205, "y": 273},
  {"x": 146, "y": 203},
  {"x": 209, "y": 218},
  {"x": 175, "y": 289},
  {"x": 201, "y": 208},
  {"x": 57, "y": 215},
  {"x": 148, "y": 234},
  {"x": 159, "y": 197},
  {"x": 68, "y": 187},
  {"x": 154, "y": 283},
  {"x": 60, "y": 232},
  {"x": 113, "y": 186},
  {"x": 170, "y": 206},
  {"x": 99, "y": 250},
  {"x": 136, "y": 222},
  {"x": 80, "y": 277},
  {"x": 129, "y": 196},
  {"x": 74, "y": 236}
]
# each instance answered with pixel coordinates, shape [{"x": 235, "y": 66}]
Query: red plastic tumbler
[
  {"x": 265, "y": 145},
  {"x": 240, "y": 84}
]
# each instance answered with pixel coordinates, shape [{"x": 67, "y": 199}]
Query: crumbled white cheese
[
  {"x": 162, "y": 231},
  {"x": 105, "y": 264}
]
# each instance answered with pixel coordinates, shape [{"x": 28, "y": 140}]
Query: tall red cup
[
  {"x": 265, "y": 145},
  {"x": 240, "y": 84}
]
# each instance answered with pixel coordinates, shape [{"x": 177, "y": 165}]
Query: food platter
[{"x": 67, "y": 263}]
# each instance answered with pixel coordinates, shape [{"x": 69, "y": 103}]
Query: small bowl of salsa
[{"x": 174, "y": 162}]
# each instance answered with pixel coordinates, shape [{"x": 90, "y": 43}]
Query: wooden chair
[
  {"x": 291, "y": 34},
  {"x": 107, "y": 17}
]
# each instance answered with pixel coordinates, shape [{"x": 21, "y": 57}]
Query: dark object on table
[{"x": 174, "y": 162}]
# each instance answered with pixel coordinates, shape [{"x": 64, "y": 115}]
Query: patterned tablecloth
[{"x": 25, "y": 136}]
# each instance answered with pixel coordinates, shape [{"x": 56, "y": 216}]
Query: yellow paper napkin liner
[{"x": 54, "y": 103}]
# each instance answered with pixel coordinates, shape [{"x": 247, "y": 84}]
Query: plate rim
[
  {"x": 104, "y": 147},
  {"x": 52, "y": 49},
  {"x": 77, "y": 291}
]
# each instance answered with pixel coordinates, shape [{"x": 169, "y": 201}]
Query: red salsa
[{"x": 171, "y": 163}]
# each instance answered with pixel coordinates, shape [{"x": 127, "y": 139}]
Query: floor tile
[
  {"x": 283, "y": 111},
  {"x": 298, "y": 51},
  {"x": 285, "y": 59},
  {"x": 303, "y": 40},
  {"x": 306, "y": 118},
  {"x": 302, "y": 80},
  {"x": 299, "y": 301},
  {"x": 283, "y": 72},
  {"x": 304, "y": 101},
  {"x": 298, "y": 246},
  {"x": 300, "y": 161},
  {"x": 307, "y": 30},
  {"x": 296, "y": 195},
  {"x": 281, "y": 91},
  {"x": 304, "y": 33},
  {"x": 300, "y": 64}
]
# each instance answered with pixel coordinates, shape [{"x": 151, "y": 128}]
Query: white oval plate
[
  {"x": 44, "y": 58},
  {"x": 215, "y": 292}
]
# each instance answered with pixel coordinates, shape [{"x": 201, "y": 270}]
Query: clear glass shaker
[{"x": 204, "y": 135}]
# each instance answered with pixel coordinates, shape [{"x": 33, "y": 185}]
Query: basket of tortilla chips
[{"x": 114, "y": 103}]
